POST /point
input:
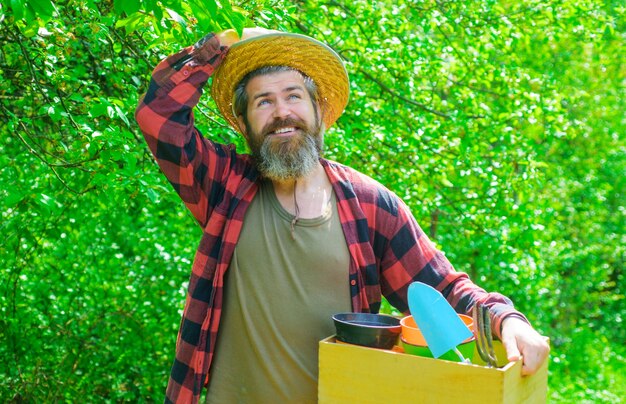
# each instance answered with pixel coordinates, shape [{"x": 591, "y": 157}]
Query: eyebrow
[{"x": 285, "y": 90}]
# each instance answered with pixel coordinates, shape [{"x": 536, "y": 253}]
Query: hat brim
[{"x": 311, "y": 57}]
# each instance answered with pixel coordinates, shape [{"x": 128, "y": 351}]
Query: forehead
[{"x": 275, "y": 82}]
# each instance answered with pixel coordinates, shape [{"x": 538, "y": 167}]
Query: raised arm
[
  {"x": 165, "y": 116},
  {"x": 194, "y": 165}
]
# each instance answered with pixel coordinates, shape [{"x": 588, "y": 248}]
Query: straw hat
[{"x": 301, "y": 52}]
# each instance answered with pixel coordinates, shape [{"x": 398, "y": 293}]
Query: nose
[{"x": 281, "y": 110}]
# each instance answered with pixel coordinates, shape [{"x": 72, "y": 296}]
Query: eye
[
  {"x": 294, "y": 97},
  {"x": 263, "y": 102}
]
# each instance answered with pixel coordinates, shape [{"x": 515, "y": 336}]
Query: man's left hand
[{"x": 521, "y": 340}]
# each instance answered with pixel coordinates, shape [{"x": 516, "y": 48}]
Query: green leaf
[
  {"x": 240, "y": 21},
  {"x": 208, "y": 5},
  {"x": 133, "y": 22},
  {"x": 176, "y": 17},
  {"x": 121, "y": 115},
  {"x": 13, "y": 198},
  {"x": 126, "y": 6},
  {"x": 98, "y": 108},
  {"x": 235, "y": 19},
  {"x": 43, "y": 8},
  {"x": 152, "y": 195},
  {"x": 18, "y": 9},
  {"x": 225, "y": 5}
]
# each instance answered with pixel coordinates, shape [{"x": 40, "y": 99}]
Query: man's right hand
[{"x": 230, "y": 37}]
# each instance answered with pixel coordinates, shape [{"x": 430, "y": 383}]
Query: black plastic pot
[{"x": 372, "y": 330}]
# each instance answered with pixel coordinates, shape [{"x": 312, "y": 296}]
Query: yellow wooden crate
[{"x": 356, "y": 374}]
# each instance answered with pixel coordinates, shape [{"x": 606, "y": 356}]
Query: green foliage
[{"x": 499, "y": 123}]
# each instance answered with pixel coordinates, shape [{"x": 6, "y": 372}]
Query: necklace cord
[{"x": 297, "y": 208}]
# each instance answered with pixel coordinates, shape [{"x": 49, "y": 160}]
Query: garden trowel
[{"x": 440, "y": 325}]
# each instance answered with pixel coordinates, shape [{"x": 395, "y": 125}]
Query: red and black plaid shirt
[{"x": 388, "y": 249}]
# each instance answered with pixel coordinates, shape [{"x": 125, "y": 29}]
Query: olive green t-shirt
[{"x": 281, "y": 289}]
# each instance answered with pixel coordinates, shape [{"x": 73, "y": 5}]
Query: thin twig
[{"x": 387, "y": 89}]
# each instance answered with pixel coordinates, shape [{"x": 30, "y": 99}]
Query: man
[{"x": 289, "y": 238}]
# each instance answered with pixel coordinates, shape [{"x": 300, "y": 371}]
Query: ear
[{"x": 242, "y": 126}]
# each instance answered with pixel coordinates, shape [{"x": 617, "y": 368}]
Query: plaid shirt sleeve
[
  {"x": 192, "y": 164},
  {"x": 391, "y": 251},
  {"x": 409, "y": 247}
]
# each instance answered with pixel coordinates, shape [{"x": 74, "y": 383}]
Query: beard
[{"x": 286, "y": 158}]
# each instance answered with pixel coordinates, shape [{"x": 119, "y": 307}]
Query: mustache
[{"x": 275, "y": 125}]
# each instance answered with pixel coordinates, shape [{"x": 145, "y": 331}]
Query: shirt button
[
  {"x": 186, "y": 72},
  {"x": 353, "y": 282}
]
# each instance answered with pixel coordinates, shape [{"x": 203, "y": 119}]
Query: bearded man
[{"x": 289, "y": 238}]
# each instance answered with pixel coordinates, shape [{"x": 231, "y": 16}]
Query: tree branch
[{"x": 390, "y": 91}]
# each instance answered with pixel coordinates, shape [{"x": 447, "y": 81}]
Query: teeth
[{"x": 285, "y": 130}]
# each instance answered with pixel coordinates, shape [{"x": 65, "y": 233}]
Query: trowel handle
[{"x": 460, "y": 355}]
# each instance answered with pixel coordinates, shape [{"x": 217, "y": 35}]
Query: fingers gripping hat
[{"x": 301, "y": 52}]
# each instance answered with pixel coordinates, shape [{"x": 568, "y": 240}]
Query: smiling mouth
[{"x": 284, "y": 131}]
